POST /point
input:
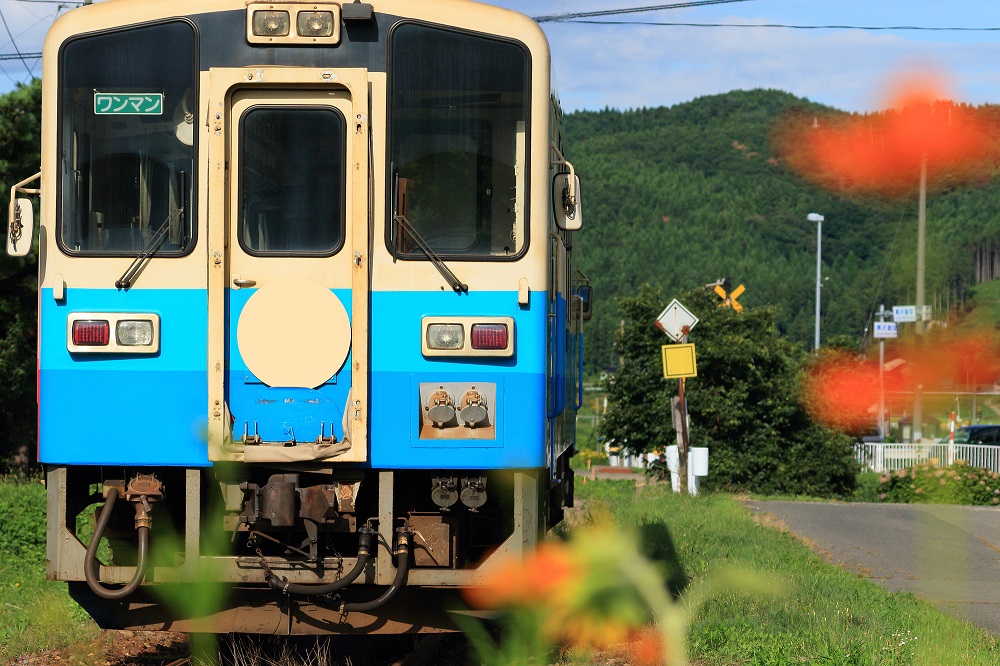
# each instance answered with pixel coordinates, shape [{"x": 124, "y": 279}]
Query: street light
[{"x": 818, "y": 219}]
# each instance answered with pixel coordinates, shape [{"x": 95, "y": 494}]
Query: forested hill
[{"x": 686, "y": 195}]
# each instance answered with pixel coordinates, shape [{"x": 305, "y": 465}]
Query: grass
[
  {"x": 824, "y": 615},
  {"x": 37, "y": 613}
]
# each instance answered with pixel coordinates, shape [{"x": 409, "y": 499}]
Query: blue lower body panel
[
  {"x": 118, "y": 409},
  {"x": 399, "y": 367},
  {"x": 123, "y": 418}
]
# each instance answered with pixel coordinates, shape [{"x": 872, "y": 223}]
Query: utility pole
[
  {"x": 918, "y": 389},
  {"x": 881, "y": 382},
  {"x": 818, "y": 219}
]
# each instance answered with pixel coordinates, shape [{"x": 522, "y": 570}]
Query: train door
[{"x": 293, "y": 289}]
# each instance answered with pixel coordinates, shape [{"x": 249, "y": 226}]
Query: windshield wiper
[
  {"x": 452, "y": 279},
  {"x": 401, "y": 208},
  {"x": 146, "y": 253}
]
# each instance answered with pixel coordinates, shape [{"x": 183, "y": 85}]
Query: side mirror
[
  {"x": 586, "y": 294},
  {"x": 566, "y": 201},
  {"x": 20, "y": 227}
]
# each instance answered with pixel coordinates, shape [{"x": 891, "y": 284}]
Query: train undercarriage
[{"x": 297, "y": 550}]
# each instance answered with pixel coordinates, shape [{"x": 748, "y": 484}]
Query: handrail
[{"x": 578, "y": 301}]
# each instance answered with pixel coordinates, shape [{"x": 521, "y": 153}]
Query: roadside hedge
[{"x": 930, "y": 484}]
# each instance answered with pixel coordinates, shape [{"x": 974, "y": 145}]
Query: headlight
[
  {"x": 445, "y": 336},
  {"x": 270, "y": 23},
  {"x": 315, "y": 24},
  {"x": 134, "y": 333}
]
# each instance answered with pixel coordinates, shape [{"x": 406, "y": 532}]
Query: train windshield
[
  {"x": 127, "y": 104},
  {"x": 459, "y": 110}
]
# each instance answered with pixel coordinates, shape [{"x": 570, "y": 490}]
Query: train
[{"x": 309, "y": 315}]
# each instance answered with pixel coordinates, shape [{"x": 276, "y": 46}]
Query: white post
[{"x": 818, "y": 219}]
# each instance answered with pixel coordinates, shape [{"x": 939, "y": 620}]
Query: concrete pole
[
  {"x": 819, "y": 283},
  {"x": 818, "y": 219},
  {"x": 918, "y": 392},
  {"x": 881, "y": 381}
]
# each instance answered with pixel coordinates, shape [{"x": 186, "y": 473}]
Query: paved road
[{"x": 949, "y": 555}]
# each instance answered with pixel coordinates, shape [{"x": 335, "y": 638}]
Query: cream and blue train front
[{"x": 293, "y": 251}]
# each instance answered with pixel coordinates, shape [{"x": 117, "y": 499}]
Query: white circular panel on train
[{"x": 294, "y": 333}]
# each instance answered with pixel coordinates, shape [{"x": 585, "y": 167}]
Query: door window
[{"x": 292, "y": 181}]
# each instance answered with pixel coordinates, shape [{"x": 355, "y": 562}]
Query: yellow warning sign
[{"x": 679, "y": 361}]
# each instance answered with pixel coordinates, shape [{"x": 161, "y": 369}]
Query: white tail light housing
[
  {"x": 467, "y": 336},
  {"x": 113, "y": 333}
]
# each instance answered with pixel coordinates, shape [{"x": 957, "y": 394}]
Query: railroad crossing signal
[{"x": 730, "y": 298}]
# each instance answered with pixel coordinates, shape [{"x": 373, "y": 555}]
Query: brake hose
[
  {"x": 364, "y": 551},
  {"x": 90, "y": 564},
  {"x": 403, "y": 556}
]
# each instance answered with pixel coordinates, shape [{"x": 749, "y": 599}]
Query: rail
[{"x": 884, "y": 457}]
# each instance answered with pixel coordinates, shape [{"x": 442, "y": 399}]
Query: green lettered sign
[{"x": 128, "y": 104}]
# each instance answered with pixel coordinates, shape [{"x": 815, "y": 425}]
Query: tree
[
  {"x": 20, "y": 151},
  {"x": 745, "y": 404}
]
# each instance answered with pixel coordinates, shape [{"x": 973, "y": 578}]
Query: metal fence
[{"x": 887, "y": 457}]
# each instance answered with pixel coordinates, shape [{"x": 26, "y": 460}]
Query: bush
[
  {"x": 22, "y": 532},
  {"x": 929, "y": 484},
  {"x": 868, "y": 488},
  {"x": 584, "y": 459}
]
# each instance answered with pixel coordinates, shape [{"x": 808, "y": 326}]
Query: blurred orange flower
[
  {"x": 548, "y": 572},
  {"x": 599, "y": 633},
  {"x": 646, "y": 647},
  {"x": 574, "y": 592},
  {"x": 842, "y": 392},
  {"x": 881, "y": 153}
]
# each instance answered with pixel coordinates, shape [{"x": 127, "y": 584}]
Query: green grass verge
[
  {"x": 37, "y": 613},
  {"x": 823, "y": 615}
]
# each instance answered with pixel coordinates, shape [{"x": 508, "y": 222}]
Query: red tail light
[
  {"x": 91, "y": 333},
  {"x": 489, "y": 336}
]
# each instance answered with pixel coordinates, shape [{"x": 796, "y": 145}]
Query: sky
[{"x": 631, "y": 66}]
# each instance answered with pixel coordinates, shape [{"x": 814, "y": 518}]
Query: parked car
[{"x": 977, "y": 434}]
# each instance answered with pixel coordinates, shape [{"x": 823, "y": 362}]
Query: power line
[
  {"x": 14, "y": 44},
  {"x": 791, "y": 27},
  {"x": 20, "y": 56},
  {"x": 629, "y": 10}
]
